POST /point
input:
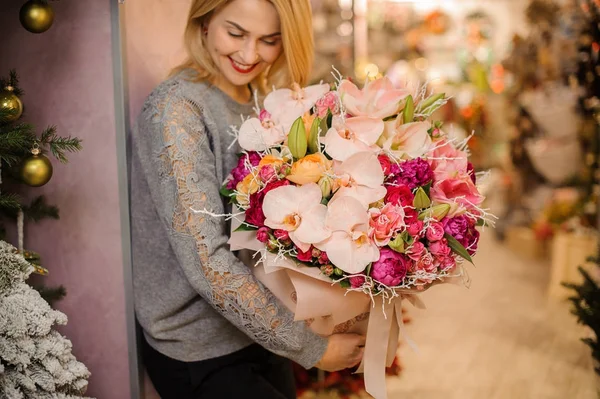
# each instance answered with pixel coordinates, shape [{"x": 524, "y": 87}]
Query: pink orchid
[
  {"x": 406, "y": 140},
  {"x": 447, "y": 161},
  {"x": 297, "y": 210},
  {"x": 460, "y": 193},
  {"x": 287, "y": 105},
  {"x": 377, "y": 99},
  {"x": 259, "y": 134},
  {"x": 360, "y": 176},
  {"x": 346, "y": 138},
  {"x": 385, "y": 222},
  {"x": 349, "y": 246}
]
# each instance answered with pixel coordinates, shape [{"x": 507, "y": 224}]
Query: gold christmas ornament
[
  {"x": 10, "y": 104},
  {"x": 36, "y": 170},
  {"x": 36, "y": 16}
]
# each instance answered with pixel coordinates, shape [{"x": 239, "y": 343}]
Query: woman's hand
[{"x": 343, "y": 351}]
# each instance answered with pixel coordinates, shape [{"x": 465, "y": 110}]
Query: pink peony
[
  {"x": 385, "y": 222},
  {"x": 391, "y": 268},
  {"x": 463, "y": 230},
  {"x": 435, "y": 231},
  {"x": 356, "y": 281},
  {"x": 329, "y": 102},
  {"x": 416, "y": 250},
  {"x": 262, "y": 234},
  {"x": 461, "y": 194}
]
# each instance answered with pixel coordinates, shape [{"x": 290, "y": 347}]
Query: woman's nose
[{"x": 249, "y": 54}]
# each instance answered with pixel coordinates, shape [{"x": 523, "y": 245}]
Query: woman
[{"x": 202, "y": 312}]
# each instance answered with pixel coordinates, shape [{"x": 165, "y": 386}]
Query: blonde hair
[{"x": 293, "y": 65}]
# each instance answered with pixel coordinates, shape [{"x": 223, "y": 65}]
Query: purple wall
[{"x": 67, "y": 76}]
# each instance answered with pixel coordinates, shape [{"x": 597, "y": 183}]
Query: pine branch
[
  {"x": 9, "y": 202},
  {"x": 13, "y": 81},
  {"x": 51, "y": 294},
  {"x": 15, "y": 144},
  {"x": 58, "y": 145},
  {"x": 39, "y": 209}
]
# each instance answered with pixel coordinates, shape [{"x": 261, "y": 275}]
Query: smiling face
[{"x": 243, "y": 38}]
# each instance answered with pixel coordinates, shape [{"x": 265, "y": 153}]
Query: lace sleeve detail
[{"x": 184, "y": 168}]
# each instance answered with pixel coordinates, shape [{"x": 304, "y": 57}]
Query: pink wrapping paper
[{"x": 330, "y": 308}]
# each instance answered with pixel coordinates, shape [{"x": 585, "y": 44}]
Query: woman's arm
[{"x": 179, "y": 165}]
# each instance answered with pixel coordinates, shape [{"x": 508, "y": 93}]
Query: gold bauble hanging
[
  {"x": 10, "y": 104},
  {"x": 36, "y": 170},
  {"x": 36, "y": 16}
]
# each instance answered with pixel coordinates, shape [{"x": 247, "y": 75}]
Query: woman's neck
[{"x": 240, "y": 94}]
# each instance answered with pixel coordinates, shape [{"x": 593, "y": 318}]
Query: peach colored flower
[
  {"x": 385, "y": 222},
  {"x": 406, "y": 140},
  {"x": 360, "y": 176},
  {"x": 309, "y": 169},
  {"x": 349, "y": 246},
  {"x": 447, "y": 161},
  {"x": 378, "y": 98},
  {"x": 297, "y": 210},
  {"x": 287, "y": 105},
  {"x": 346, "y": 138},
  {"x": 247, "y": 187}
]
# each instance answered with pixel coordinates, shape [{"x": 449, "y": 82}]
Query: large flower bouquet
[{"x": 359, "y": 189}]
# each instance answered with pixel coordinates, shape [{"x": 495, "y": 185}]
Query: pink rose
[
  {"x": 435, "y": 231},
  {"x": 440, "y": 248},
  {"x": 461, "y": 194},
  {"x": 448, "y": 263},
  {"x": 416, "y": 250},
  {"x": 391, "y": 268},
  {"x": 329, "y": 102},
  {"x": 414, "y": 229},
  {"x": 447, "y": 161},
  {"x": 323, "y": 258},
  {"x": 262, "y": 234},
  {"x": 281, "y": 235},
  {"x": 426, "y": 263},
  {"x": 356, "y": 281},
  {"x": 385, "y": 222},
  {"x": 305, "y": 256},
  {"x": 267, "y": 173}
]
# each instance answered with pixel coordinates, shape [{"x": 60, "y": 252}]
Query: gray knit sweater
[{"x": 193, "y": 297}]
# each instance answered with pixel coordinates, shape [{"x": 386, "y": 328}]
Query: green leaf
[
  {"x": 329, "y": 119},
  {"x": 457, "y": 248},
  {"x": 297, "y": 139},
  {"x": 246, "y": 227},
  {"x": 368, "y": 271},
  {"x": 430, "y": 101},
  {"x": 408, "y": 113},
  {"x": 313, "y": 138},
  {"x": 480, "y": 222}
]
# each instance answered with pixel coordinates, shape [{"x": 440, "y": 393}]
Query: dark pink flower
[
  {"x": 385, "y": 163},
  {"x": 356, "y": 281},
  {"x": 399, "y": 195},
  {"x": 323, "y": 258},
  {"x": 262, "y": 234},
  {"x": 391, "y": 268},
  {"x": 414, "y": 173},
  {"x": 305, "y": 256},
  {"x": 281, "y": 235},
  {"x": 240, "y": 171},
  {"x": 254, "y": 213}
]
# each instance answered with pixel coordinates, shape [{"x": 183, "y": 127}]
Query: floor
[{"x": 499, "y": 339}]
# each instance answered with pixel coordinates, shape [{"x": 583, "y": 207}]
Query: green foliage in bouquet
[{"x": 586, "y": 306}]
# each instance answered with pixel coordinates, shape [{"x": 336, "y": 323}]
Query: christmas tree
[
  {"x": 586, "y": 306},
  {"x": 35, "y": 360},
  {"x": 22, "y": 160}
]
